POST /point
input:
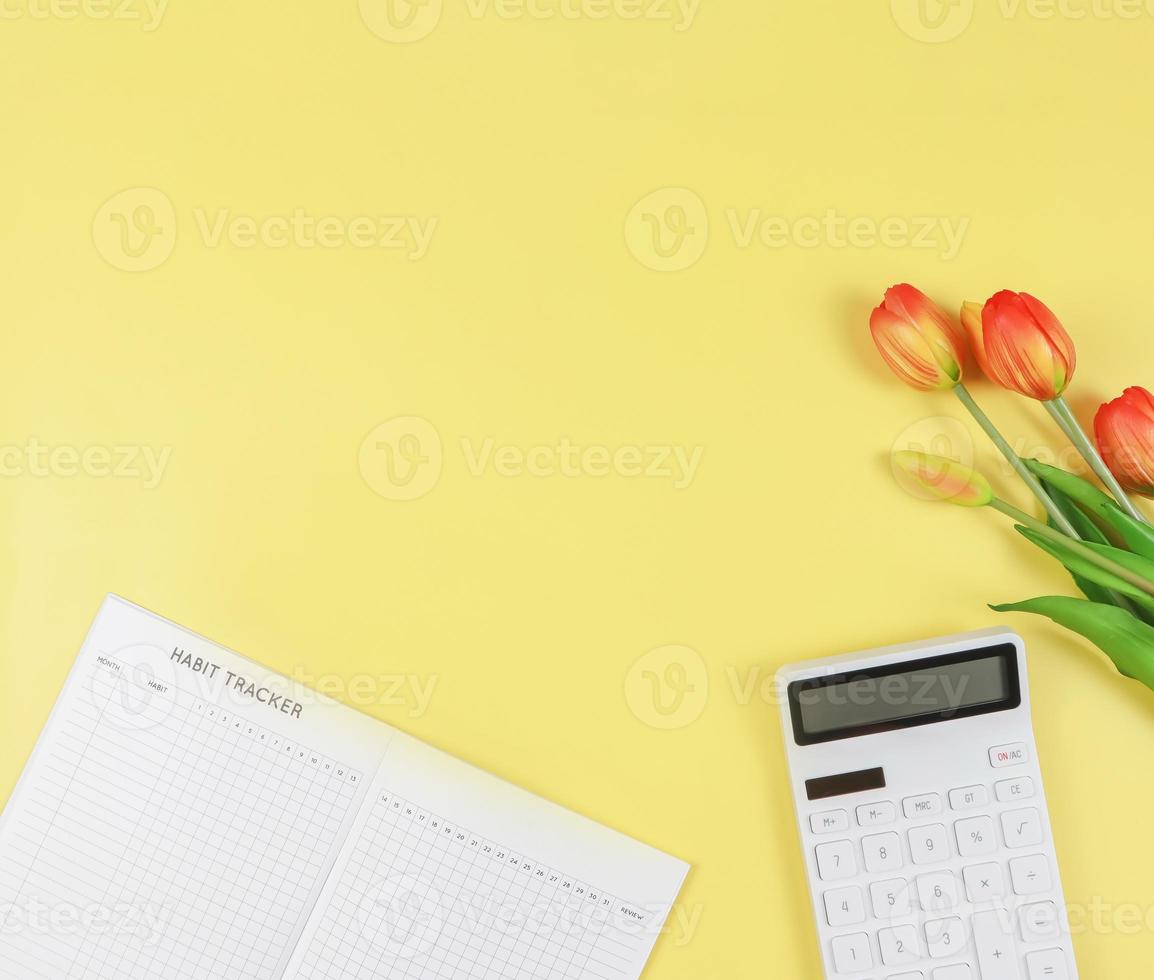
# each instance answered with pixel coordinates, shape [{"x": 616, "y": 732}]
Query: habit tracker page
[
  {"x": 452, "y": 874},
  {"x": 179, "y": 814}
]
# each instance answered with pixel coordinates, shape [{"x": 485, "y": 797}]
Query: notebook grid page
[
  {"x": 168, "y": 837},
  {"x": 422, "y": 897}
]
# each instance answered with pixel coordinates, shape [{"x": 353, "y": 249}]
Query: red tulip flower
[
  {"x": 1021, "y": 345},
  {"x": 921, "y": 345},
  {"x": 1124, "y": 429}
]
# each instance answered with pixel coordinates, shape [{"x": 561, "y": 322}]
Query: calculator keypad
[{"x": 940, "y": 869}]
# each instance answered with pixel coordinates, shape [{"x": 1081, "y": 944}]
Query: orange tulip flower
[
  {"x": 1021, "y": 345},
  {"x": 921, "y": 345},
  {"x": 1124, "y": 429}
]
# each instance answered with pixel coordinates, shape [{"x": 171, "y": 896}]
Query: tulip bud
[
  {"x": 1124, "y": 429},
  {"x": 971, "y": 318},
  {"x": 917, "y": 340},
  {"x": 944, "y": 479},
  {"x": 1020, "y": 345}
]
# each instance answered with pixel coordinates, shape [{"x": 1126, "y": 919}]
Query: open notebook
[{"x": 188, "y": 814}]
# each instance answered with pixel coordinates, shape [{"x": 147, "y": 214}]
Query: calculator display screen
[{"x": 904, "y": 695}]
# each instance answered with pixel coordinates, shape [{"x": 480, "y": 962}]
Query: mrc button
[{"x": 1002, "y": 756}]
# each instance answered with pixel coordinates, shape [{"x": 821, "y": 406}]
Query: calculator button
[
  {"x": 899, "y": 946},
  {"x": 1030, "y": 875},
  {"x": 1022, "y": 828},
  {"x": 876, "y": 814},
  {"x": 945, "y": 937},
  {"x": 984, "y": 881},
  {"x": 1016, "y": 754},
  {"x": 929, "y": 845},
  {"x": 891, "y": 899},
  {"x": 976, "y": 836},
  {"x": 836, "y": 861},
  {"x": 929, "y": 805},
  {"x": 1040, "y": 922},
  {"x": 852, "y": 954},
  {"x": 959, "y": 971},
  {"x": 1012, "y": 790},
  {"x": 968, "y": 798},
  {"x": 883, "y": 852},
  {"x": 908, "y": 976},
  {"x": 939, "y": 892},
  {"x": 1049, "y": 964},
  {"x": 845, "y": 907},
  {"x": 830, "y": 822},
  {"x": 997, "y": 957}
]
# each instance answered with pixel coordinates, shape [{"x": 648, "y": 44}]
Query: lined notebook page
[
  {"x": 179, "y": 814},
  {"x": 451, "y": 873}
]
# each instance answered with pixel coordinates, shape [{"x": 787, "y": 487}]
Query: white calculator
[{"x": 922, "y": 813}]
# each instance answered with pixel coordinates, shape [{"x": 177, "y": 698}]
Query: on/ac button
[{"x": 1009, "y": 755}]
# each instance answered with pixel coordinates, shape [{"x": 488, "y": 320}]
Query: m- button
[{"x": 1003, "y": 756}]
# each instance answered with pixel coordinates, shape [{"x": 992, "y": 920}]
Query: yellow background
[{"x": 538, "y": 314}]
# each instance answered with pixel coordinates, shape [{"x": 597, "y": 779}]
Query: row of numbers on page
[
  {"x": 464, "y": 837},
  {"x": 290, "y": 748}
]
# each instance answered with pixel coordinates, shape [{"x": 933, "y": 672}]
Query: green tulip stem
[
  {"x": 1088, "y": 553},
  {"x": 1015, "y": 461},
  {"x": 1068, "y": 423}
]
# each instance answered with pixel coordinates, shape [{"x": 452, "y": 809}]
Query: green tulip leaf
[
  {"x": 1083, "y": 567},
  {"x": 1127, "y": 641},
  {"x": 1088, "y": 531},
  {"x": 1137, "y": 536},
  {"x": 1083, "y": 523},
  {"x": 1088, "y": 495}
]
